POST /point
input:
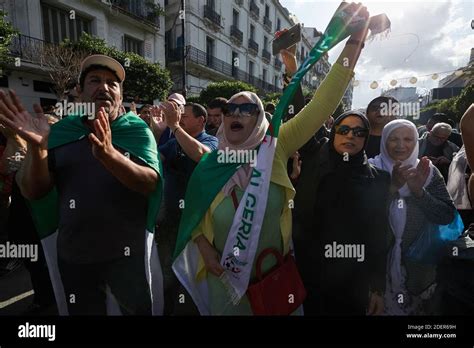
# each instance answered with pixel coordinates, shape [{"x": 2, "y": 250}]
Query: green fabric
[
  {"x": 270, "y": 237},
  {"x": 131, "y": 134},
  {"x": 207, "y": 180}
]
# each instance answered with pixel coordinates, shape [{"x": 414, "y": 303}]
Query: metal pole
[{"x": 183, "y": 53}]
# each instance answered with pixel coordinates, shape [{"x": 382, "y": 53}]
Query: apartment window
[
  {"x": 41, "y": 86},
  {"x": 209, "y": 50},
  {"x": 235, "y": 63},
  {"x": 235, "y": 18},
  {"x": 132, "y": 45},
  {"x": 4, "y": 81},
  {"x": 275, "y": 81},
  {"x": 302, "y": 52},
  {"x": 252, "y": 31},
  {"x": 267, "y": 11},
  {"x": 264, "y": 75},
  {"x": 57, "y": 25},
  {"x": 251, "y": 66},
  {"x": 211, "y": 4},
  {"x": 278, "y": 24},
  {"x": 265, "y": 43}
]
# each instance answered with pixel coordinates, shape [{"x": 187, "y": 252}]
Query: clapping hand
[
  {"x": 417, "y": 177},
  {"x": 157, "y": 122},
  {"x": 35, "y": 130}
]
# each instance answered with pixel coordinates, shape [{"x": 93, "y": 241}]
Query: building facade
[
  {"x": 227, "y": 40},
  {"x": 127, "y": 25}
]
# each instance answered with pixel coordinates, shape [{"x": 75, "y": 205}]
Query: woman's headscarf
[
  {"x": 385, "y": 162},
  {"x": 339, "y": 161},
  {"x": 398, "y": 207},
  {"x": 327, "y": 177},
  {"x": 241, "y": 177}
]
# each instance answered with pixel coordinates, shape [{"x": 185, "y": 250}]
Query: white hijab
[
  {"x": 398, "y": 207},
  {"x": 241, "y": 177}
]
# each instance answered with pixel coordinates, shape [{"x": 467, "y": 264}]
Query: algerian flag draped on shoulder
[
  {"x": 131, "y": 134},
  {"x": 210, "y": 176}
]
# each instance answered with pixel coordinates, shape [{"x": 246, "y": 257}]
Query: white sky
[{"x": 427, "y": 36}]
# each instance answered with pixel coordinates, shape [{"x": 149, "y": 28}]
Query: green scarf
[{"x": 130, "y": 133}]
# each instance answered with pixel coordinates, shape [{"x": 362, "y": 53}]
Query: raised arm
[
  {"x": 296, "y": 132},
  {"x": 191, "y": 147}
]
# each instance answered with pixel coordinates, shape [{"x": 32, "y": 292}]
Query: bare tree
[{"x": 61, "y": 63}]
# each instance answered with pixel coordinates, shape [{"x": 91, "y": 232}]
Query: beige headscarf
[{"x": 241, "y": 177}]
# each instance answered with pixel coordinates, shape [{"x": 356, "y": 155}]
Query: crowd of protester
[{"x": 359, "y": 178}]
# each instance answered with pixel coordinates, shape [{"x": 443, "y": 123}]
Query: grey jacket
[{"x": 435, "y": 206}]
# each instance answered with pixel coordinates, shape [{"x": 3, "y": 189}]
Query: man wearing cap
[{"x": 94, "y": 186}]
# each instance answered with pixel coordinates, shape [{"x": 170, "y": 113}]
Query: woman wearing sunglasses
[
  {"x": 340, "y": 226},
  {"x": 243, "y": 129},
  {"x": 419, "y": 198}
]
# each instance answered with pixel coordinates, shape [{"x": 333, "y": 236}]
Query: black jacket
[{"x": 349, "y": 208}]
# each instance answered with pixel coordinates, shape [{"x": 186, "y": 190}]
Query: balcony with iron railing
[
  {"x": 267, "y": 24},
  {"x": 212, "y": 15},
  {"x": 254, "y": 10},
  {"x": 236, "y": 33},
  {"x": 253, "y": 46},
  {"x": 138, "y": 10},
  {"x": 266, "y": 55},
  {"x": 204, "y": 59},
  {"x": 239, "y": 2},
  {"x": 28, "y": 49}
]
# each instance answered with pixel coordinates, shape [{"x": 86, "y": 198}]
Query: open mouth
[
  {"x": 350, "y": 145},
  {"x": 236, "y": 126}
]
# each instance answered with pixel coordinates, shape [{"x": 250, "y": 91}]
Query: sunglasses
[
  {"x": 359, "y": 132},
  {"x": 246, "y": 109}
]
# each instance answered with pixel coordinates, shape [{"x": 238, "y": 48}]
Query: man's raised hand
[
  {"x": 101, "y": 137},
  {"x": 35, "y": 130}
]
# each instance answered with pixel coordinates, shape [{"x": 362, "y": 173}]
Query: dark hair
[
  {"x": 93, "y": 67},
  {"x": 270, "y": 107},
  {"x": 146, "y": 106},
  {"x": 380, "y": 100},
  {"x": 218, "y": 102},
  {"x": 198, "y": 110},
  {"x": 439, "y": 117}
]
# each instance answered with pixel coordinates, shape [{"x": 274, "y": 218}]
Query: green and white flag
[
  {"x": 210, "y": 176},
  {"x": 133, "y": 135}
]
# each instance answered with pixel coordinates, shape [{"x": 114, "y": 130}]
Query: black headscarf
[
  {"x": 326, "y": 164},
  {"x": 338, "y": 162}
]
